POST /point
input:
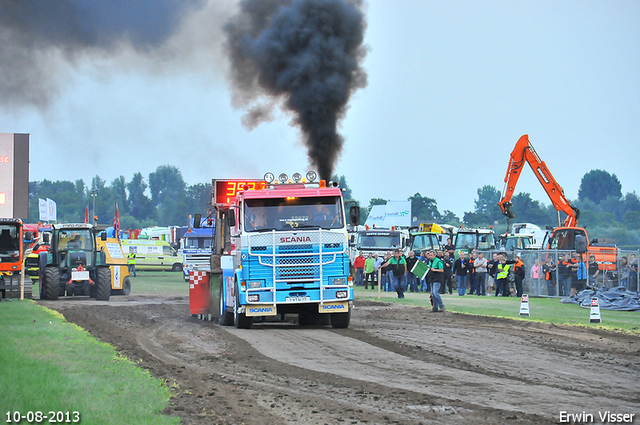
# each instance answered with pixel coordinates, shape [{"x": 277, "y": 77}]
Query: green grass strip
[
  {"x": 48, "y": 364},
  {"x": 546, "y": 310}
]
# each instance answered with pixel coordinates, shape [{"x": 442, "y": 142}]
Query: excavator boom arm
[{"x": 524, "y": 152}]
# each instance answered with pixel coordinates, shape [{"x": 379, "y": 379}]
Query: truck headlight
[
  {"x": 341, "y": 294},
  {"x": 337, "y": 281},
  {"x": 253, "y": 284}
]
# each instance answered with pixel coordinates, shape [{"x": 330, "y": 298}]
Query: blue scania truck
[{"x": 282, "y": 248}]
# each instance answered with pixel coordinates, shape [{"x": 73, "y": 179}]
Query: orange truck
[
  {"x": 564, "y": 236},
  {"x": 11, "y": 258}
]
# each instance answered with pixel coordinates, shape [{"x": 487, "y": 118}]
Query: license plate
[
  {"x": 297, "y": 299},
  {"x": 80, "y": 275}
]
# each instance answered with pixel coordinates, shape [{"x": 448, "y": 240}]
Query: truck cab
[
  {"x": 379, "y": 241},
  {"x": 197, "y": 247},
  {"x": 283, "y": 249}
]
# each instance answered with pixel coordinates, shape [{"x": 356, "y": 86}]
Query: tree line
[
  {"x": 161, "y": 200},
  {"x": 165, "y": 199}
]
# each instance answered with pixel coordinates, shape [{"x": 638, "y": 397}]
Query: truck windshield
[
  {"x": 198, "y": 243},
  {"x": 9, "y": 243},
  {"x": 425, "y": 242},
  {"x": 386, "y": 240},
  {"x": 465, "y": 241},
  {"x": 293, "y": 213},
  {"x": 517, "y": 243}
]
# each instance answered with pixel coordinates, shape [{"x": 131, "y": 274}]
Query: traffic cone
[
  {"x": 594, "y": 316},
  {"x": 524, "y": 305}
]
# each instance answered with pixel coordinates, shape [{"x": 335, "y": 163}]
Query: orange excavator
[
  {"x": 524, "y": 151},
  {"x": 563, "y": 237}
]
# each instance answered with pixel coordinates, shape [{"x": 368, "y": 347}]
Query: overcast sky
[{"x": 451, "y": 88}]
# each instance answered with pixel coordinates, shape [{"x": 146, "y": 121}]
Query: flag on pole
[
  {"x": 53, "y": 210},
  {"x": 86, "y": 214},
  {"x": 43, "y": 209},
  {"x": 116, "y": 223}
]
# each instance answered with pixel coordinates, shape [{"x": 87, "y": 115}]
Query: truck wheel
[
  {"x": 224, "y": 317},
  {"x": 240, "y": 320},
  {"x": 103, "y": 284},
  {"x": 340, "y": 320},
  {"x": 177, "y": 267},
  {"x": 51, "y": 283}
]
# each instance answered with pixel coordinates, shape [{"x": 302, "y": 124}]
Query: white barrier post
[
  {"x": 524, "y": 305},
  {"x": 594, "y": 316}
]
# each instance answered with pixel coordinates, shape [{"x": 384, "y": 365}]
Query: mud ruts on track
[{"x": 395, "y": 364}]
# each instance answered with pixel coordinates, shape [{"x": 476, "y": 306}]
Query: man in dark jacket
[
  {"x": 447, "y": 261},
  {"x": 460, "y": 271},
  {"x": 518, "y": 274},
  {"x": 411, "y": 278}
]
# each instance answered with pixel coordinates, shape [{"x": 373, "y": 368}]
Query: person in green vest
[
  {"x": 435, "y": 278},
  {"x": 369, "y": 271},
  {"x": 502, "y": 277},
  {"x": 131, "y": 261}
]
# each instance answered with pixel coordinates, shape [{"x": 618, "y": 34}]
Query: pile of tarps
[{"x": 609, "y": 299}]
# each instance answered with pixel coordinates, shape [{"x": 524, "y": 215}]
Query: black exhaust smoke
[
  {"x": 38, "y": 38},
  {"x": 304, "y": 55}
]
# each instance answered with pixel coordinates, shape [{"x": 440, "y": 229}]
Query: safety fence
[{"x": 547, "y": 274}]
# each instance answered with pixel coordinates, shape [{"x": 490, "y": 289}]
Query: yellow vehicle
[
  {"x": 117, "y": 261},
  {"x": 153, "y": 254}
]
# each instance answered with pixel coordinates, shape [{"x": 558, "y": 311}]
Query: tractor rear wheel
[
  {"x": 51, "y": 283},
  {"x": 103, "y": 284},
  {"x": 126, "y": 288}
]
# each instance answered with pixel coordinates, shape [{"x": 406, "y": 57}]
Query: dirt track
[{"x": 395, "y": 364}]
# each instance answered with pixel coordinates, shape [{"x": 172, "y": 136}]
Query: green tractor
[{"x": 73, "y": 265}]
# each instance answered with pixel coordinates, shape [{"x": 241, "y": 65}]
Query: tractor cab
[{"x": 74, "y": 247}]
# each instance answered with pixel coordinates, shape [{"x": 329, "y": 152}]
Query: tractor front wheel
[
  {"x": 103, "y": 284},
  {"x": 51, "y": 283}
]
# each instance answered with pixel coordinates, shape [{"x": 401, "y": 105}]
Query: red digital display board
[{"x": 225, "y": 190}]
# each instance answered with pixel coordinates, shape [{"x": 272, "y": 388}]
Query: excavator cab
[{"x": 564, "y": 238}]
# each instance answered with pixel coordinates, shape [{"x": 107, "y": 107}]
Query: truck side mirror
[
  {"x": 354, "y": 215},
  {"x": 103, "y": 236},
  {"x": 197, "y": 218},
  {"x": 45, "y": 237},
  {"x": 581, "y": 244}
]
